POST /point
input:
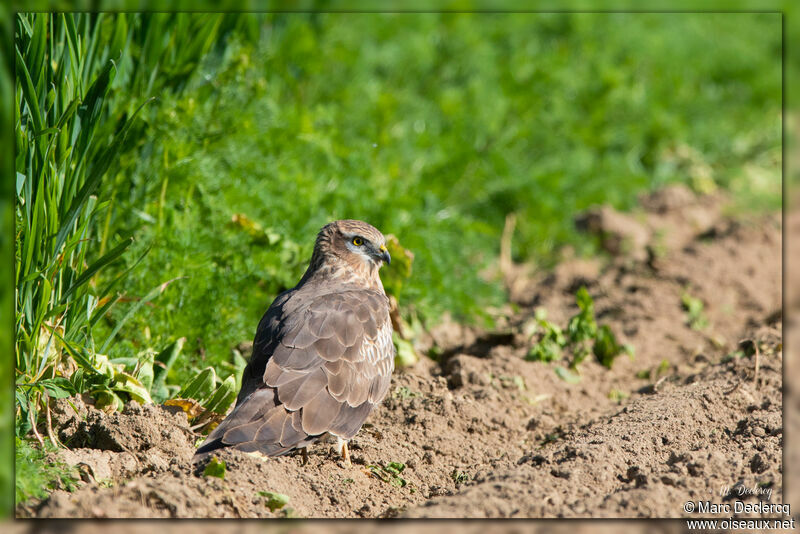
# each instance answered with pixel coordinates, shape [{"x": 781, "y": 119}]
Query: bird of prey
[{"x": 323, "y": 353}]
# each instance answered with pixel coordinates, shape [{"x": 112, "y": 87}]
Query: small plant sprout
[
  {"x": 404, "y": 392},
  {"x": 389, "y": 473},
  {"x": 215, "y": 468},
  {"x": 695, "y": 315},
  {"x": 460, "y": 477},
  {"x": 582, "y": 337},
  {"x": 274, "y": 501}
]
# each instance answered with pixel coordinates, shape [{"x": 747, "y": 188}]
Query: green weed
[
  {"x": 205, "y": 400},
  {"x": 274, "y": 501},
  {"x": 404, "y": 392},
  {"x": 82, "y": 81},
  {"x": 617, "y": 395},
  {"x": 695, "y": 314},
  {"x": 582, "y": 337},
  {"x": 65, "y": 148},
  {"x": 389, "y": 473},
  {"x": 215, "y": 468},
  {"x": 460, "y": 477},
  {"x": 654, "y": 373}
]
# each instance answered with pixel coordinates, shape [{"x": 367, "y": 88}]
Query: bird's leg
[
  {"x": 304, "y": 454},
  {"x": 346, "y": 454},
  {"x": 341, "y": 444}
]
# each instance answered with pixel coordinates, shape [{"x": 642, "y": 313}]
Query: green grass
[
  {"x": 432, "y": 127},
  {"x": 36, "y": 478},
  {"x": 65, "y": 147}
]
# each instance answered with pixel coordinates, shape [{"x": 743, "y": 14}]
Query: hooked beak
[{"x": 385, "y": 255}]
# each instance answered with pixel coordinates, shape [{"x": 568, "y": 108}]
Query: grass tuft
[{"x": 36, "y": 478}]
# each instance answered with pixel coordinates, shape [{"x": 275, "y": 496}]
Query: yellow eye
[{"x": 357, "y": 241}]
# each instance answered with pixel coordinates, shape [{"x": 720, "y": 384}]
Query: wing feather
[
  {"x": 330, "y": 349},
  {"x": 300, "y": 337},
  {"x": 269, "y": 431},
  {"x": 290, "y": 436},
  {"x": 337, "y": 381},
  {"x": 297, "y": 393},
  {"x": 322, "y": 323},
  {"x": 320, "y": 363},
  {"x": 319, "y": 413},
  {"x": 349, "y": 420}
]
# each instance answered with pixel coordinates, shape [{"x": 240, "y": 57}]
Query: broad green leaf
[
  {"x": 58, "y": 387},
  {"x": 129, "y": 362},
  {"x": 396, "y": 467},
  {"x": 223, "y": 397},
  {"x": 104, "y": 366},
  {"x": 133, "y": 387},
  {"x": 215, "y": 468},
  {"x": 606, "y": 347},
  {"x": 547, "y": 350},
  {"x": 201, "y": 387},
  {"x": 107, "y": 399},
  {"x": 145, "y": 372},
  {"x": 582, "y": 326},
  {"x": 274, "y": 501}
]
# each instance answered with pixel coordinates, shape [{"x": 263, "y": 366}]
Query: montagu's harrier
[{"x": 323, "y": 354}]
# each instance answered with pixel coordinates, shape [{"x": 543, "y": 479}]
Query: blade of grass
[{"x": 29, "y": 92}]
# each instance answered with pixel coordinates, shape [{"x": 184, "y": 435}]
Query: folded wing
[{"x": 319, "y": 365}]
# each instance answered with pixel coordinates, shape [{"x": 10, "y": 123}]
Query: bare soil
[{"x": 484, "y": 433}]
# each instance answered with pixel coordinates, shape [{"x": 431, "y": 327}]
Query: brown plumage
[{"x": 323, "y": 353}]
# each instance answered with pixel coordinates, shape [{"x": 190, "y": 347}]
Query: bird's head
[{"x": 355, "y": 245}]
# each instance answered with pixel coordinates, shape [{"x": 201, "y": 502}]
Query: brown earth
[{"x": 484, "y": 433}]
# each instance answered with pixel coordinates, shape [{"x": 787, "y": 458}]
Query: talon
[{"x": 344, "y": 451}]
